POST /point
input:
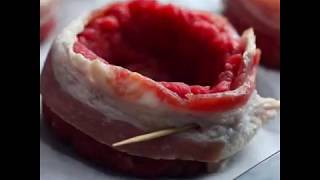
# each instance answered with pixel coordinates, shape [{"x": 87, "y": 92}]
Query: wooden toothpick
[{"x": 154, "y": 135}]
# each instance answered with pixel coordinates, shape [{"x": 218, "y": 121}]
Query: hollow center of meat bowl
[{"x": 186, "y": 51}]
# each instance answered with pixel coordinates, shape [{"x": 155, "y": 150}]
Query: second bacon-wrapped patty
[{"x": 47, "y": 17}]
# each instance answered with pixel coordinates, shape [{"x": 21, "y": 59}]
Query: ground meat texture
[{"x": 186, "y": 51}]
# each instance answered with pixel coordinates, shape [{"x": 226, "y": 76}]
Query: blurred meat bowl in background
[
  {"x": 47, "y": 17},
  {"x": 264, "y": 17}
]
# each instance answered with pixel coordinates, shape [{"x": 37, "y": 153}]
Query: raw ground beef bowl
[{"x": 135, "y": 67}]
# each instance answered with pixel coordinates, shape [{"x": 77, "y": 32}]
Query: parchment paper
[{"x": 59, "y": 162}]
